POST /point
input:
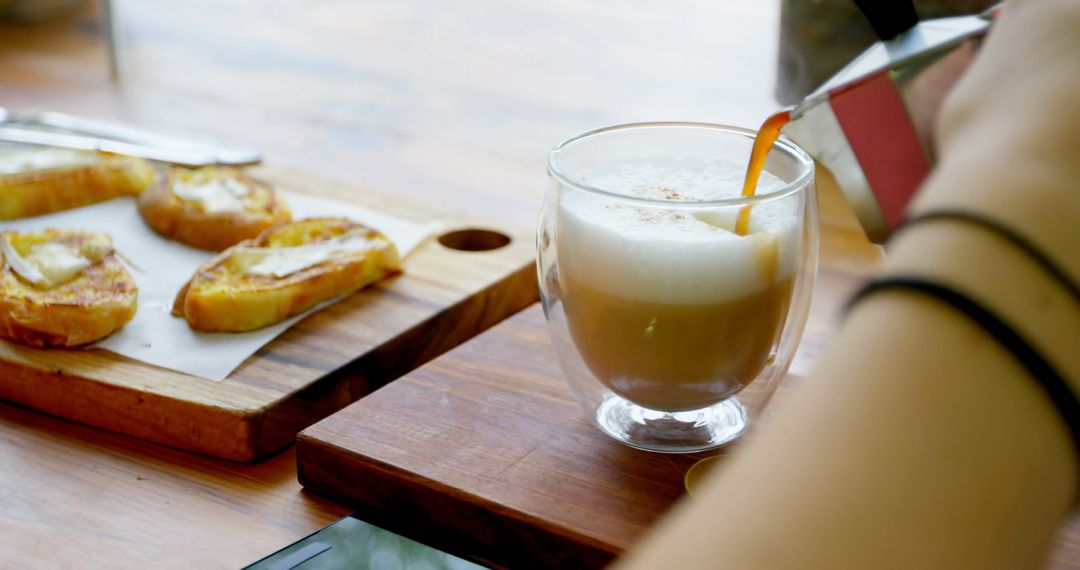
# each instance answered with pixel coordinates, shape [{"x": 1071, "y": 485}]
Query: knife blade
[
  {"x": 182, "y": 157},
  {"x": 132, "y": 135}
]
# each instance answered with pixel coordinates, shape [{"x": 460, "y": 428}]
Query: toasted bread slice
[
  {"x": 212, "y": 207},
  {"x": 283, "y": 272},
  {"x": 62, "y": 288},
  {"x": 39, "y": 181}
]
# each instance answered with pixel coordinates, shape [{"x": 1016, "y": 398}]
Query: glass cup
[{"x": 672, "y": 330}]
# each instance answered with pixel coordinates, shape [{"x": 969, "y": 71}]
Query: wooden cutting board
[
  {"x": 485, "y": 453},
  {"x": 453, "y": 288}
]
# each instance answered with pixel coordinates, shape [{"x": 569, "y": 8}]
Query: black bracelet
[
  {"x": 1002, "y": 231},
  {"x": 1052, "y": 383}
]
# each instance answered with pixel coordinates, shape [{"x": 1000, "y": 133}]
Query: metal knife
[{"x": 182, "y": 157}]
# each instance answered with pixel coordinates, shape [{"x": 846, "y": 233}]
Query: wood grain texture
[
  {"x": 322, "y": 363},
  {"x": 78, "y": 497}
]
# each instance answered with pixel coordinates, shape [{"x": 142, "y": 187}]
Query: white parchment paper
[{"x": 156, "y": 337}]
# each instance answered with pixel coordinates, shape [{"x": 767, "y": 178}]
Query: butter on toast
[
  {"x": 212, "y": 207},
  {"x": 62, "y": 288},
  {"x": 43, "y": 180},
  {"x": 284, "y": 271}
]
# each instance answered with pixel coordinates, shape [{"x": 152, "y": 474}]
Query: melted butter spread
[
  {"x": 45, "y": 265},
  {"x": 216, "y": 195},
  {"x": 21, "y": 161},
  {"x": 283, "y": 261}
]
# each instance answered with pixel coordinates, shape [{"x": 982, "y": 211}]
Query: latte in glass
[{"x": 668, "y": 307}]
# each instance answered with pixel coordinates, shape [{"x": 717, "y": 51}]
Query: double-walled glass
[{"x": 672, "y": 328}]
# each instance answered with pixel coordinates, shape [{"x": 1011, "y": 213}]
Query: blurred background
[{"x": 400, "y": 95}]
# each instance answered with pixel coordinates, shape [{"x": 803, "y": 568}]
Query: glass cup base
[{"x": 671, "y": 432}]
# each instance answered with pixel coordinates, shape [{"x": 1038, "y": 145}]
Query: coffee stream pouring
[{"x": 870, "y": 124}]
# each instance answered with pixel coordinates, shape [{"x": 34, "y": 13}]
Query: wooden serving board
[
  {"x": 448, "y": 293},
  {"x": 484, "y": 452}
]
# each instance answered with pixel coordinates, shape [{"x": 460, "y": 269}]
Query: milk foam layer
[{"x": 675, "y": 255}]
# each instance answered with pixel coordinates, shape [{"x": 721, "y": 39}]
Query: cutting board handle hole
[{"x": 474, "y": 239}]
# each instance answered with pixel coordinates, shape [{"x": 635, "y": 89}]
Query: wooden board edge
[
  {"x": 278, "y": 424},
  {"x": 437, "y": 514},
  {"x": 220, "y": 432}
]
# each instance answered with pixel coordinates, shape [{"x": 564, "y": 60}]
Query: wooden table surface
[{"x": 454, "y": 103}]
